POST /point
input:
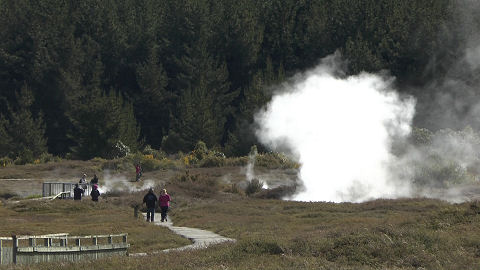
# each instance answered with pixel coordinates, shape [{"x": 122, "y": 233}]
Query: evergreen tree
[
  {"x": 100, "y": 123},
  {"x": 23, "y": 132},
  {"x": 205, "y": 103}
]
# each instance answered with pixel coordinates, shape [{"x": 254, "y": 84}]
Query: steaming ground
[
  {"x": 341, "y": 130},
  {"x": 113, "y": 183}
]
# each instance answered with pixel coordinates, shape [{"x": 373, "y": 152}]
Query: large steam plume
[{"x": 341, "y": 130}]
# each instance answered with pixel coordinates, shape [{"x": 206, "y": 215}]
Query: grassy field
[{"x": 271, "y": 234}]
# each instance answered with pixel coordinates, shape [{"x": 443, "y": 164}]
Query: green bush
[
  {"x": 212, "y": 161},
  {"x": 25, "y": 156},
  {"x": 47, "y": 157},
  {"x": 274, "y": 160},
  {"x": 5, "y": 161},
  {"x": 157, "y": 154},
  {"x": 236, "y": 161}
]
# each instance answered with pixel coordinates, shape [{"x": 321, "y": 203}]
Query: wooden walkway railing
[
  {"x": 28, "y": 249},
  {"x": 50, "y": 189}
]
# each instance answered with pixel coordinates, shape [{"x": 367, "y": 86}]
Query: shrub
[
  {"x": 212, "y": 161},
  {"x": 47, "y": 157},
  {"x": 236, "y": 161},
  {"x": 5, "y": 161},
  {"x": 259, "y": 247},
  {"x": 157, "y": 154},
  {"x": 197, "y": 186},
  {"x": 274, "y": 160},
  {"x": 253, "y": 187},
  {"x": 25, "y": 156},
  {"x": 150, "y": 164},
  {"x": 200, "y": 151}
]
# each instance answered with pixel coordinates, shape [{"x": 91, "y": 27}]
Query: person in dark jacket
[
  {"x": 95, "y": 193},
  {"x": 94, "y": 180},
  {"x": 150, "y": 200},
  {"x": 78, "y": 193}
]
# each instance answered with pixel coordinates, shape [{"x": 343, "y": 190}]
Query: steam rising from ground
[
  {"x": 113, "y": 183},
  {"x": 341, "y": 130}
]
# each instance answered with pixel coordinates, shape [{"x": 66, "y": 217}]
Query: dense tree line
[{"x": 80, "y": 76}]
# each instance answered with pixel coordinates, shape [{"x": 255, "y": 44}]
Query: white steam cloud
[
  {"x": 113, "y": 183},
  {"x": 341, "y": 130}
]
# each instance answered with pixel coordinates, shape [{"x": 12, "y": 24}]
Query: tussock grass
[
  {"x": 85, "y": 218},
  {"x": 271, "y": 234}
]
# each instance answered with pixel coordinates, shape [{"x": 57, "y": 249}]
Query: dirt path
[{"x": 200, "y": 238}]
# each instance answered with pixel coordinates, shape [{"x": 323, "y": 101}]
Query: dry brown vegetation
[{"x": 271, "y": 234}]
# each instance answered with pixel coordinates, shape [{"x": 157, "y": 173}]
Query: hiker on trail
[
  {"x": 94, "y": 180},
  {"x": 150, "y": 200},
  {"x": 164, "y": 202},
  {"x": 95, "y": 193},
  {"x": 138, "y": 172},
  {"x": 83, "y": 181},
  {"x": 78, "y": 193}
]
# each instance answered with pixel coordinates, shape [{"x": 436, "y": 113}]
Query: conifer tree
[
  {"x": 24, "y": 133},
  {"x": 100, "y": 123}
]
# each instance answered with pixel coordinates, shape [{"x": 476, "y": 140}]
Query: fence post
[
  {"x": 94, "y": 241},
  {"x": 32, "y": 242},
  {"x": 135, "y": 211},
  {"x": 77, "y": 242},
  {"x": 63, "y": 242},
  {"x": 110, "y": 241},
  {"x": 125, "y": 239},
  {"x": 1, "y": 255},
  {"x": 14, "y": 249}
]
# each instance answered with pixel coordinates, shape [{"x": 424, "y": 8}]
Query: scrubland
[{"x": 271, "y": 233}]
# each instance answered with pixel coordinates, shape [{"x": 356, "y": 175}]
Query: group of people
[
  {"x": 79, "y": 189},
  {"x": 150, "y": 199}
]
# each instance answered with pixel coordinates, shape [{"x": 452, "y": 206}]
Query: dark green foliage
[
  {"x": 185, "y": 70},
  {"x": 100, "y": 123},
  {"x": 23, "y": 134}
]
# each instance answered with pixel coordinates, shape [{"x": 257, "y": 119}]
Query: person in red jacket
[
  {"x": 164, "y": 202},
  {"x": 138, "y": 172}
]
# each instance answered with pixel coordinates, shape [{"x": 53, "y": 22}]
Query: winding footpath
[{"x": 200, "y": 238}]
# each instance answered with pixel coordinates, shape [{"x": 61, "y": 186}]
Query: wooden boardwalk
[
  {"x": 30, "y": 249},
  {"x": 200, "y": 238}
]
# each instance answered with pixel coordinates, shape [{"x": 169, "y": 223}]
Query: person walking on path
[
  {"x": 138, "y": 172},
  {"x": 150, "y": 199},
  {"x": 78, "y": 193},
  {"x": 95, "y": 193},
  {"x": 164, "y": 201}
]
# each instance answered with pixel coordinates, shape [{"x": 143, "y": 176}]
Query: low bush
[
  {"x": 5, "y": 161},
  {"x": 274, "y": 160},
  {"x": 212, "y": 161},
  {"x": 157, "y": 154},
  {"x": 236, "y": 161},
  {"x": 47, "y": 157},
  {"x": 197, "y": 186},
  {"x": 259, "y": 247}
]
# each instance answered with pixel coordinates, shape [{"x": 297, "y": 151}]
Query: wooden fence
[
  {"x": 50, "y": 189},
  {"x": 60, "y": 247}
]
